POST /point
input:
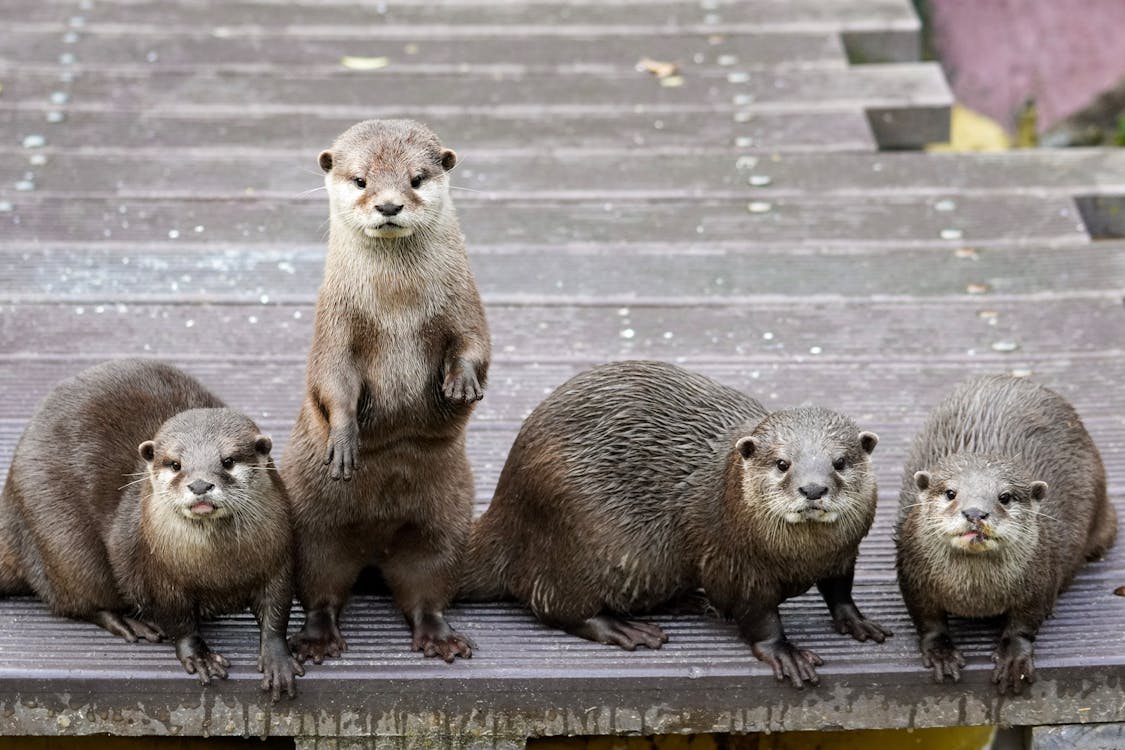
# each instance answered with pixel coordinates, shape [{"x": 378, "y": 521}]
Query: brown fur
[
  {"x": 101, "y": 533},
  {"x": 1027, "y": 508},
  {"x": 399, "y": 354},
  {"x": 636, "y": 482}
]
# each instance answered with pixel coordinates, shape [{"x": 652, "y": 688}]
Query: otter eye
[
  {"x": 950, "y": 494},
  {"x": 1005, "y": 498},
  {"x": 782, "y": 465},
  {"x": 839, "y": 464},
  {"x": 416, "y": 180},
  {"x": 173, "y": 465},
  {"x": 228, "y": 462},
  {"x": 359, "y": 182}
]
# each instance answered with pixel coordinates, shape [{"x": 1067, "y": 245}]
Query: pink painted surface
[{"x": 1000, "y": 53}]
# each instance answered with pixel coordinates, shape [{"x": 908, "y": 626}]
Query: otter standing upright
[
  {"x": 1003, "y": 500},
  {"x": 376, "y": 464},
  {"x": 637, "y": 482}
]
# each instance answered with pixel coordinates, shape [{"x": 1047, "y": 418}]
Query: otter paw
[
  {"x": 342, "y": 451},
  {"x": 462, "y": 387},
  {"x": 205, "y": 665},
  {"x": 940, "y": 655},
  {"x": 436, "y": 638},
  {"x": 129, "y": 628},
  {"x": 317, "y": 643},
  {"x": 857, "y": 626},
  {"x": 789, "y": 661},
  {"x": 613, "y": 631},
  {"x": 1014, "y": 668},
  {"x": 280, "y": 671}
]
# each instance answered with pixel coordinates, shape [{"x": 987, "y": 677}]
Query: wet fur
[
  {"x": 991, "y": 435},
  {"x": 625, "y": 489},
  {"x": 89, "y": 527},
  {"x": 398, "y": 321}
]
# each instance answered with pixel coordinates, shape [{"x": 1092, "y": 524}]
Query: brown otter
[
  {"x": 1003, "y": 499},
  {"x": 146, "y": 545},
  {"x": 636, "y": 482},
  {"x": 376, "y": 465}
]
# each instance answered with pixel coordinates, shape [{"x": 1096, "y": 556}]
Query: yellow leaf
[{"x": 364, "y": 63}]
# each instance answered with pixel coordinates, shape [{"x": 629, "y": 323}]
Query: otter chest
[{"x": 402, "y": 363}]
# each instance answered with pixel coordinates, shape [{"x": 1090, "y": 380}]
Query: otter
[
  {"x": 137, "y": 501},
  {"x": 1003, "y": 499},
  {"x": 376, "y": 463},
  {"x": 637, "y": 482}
]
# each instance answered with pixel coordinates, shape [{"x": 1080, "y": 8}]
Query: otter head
[
  {"x": 206, "y": 465},
  {"x": 386, "y": 179},
  {"x": 978, "y": 504},
  {"x": 809, "y": 466}
]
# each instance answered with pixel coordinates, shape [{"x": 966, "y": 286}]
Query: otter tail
[
  {"x": 1103, "y": 531},
  {"x": 484, "y": 577}
]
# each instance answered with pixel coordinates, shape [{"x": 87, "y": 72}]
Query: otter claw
[
  {"x": 860, "y": 628},
  {"x": 462, "y": 387},
  {"x": 343, "y": 446},
  {"x": 206, "y": 666},
  {"x": 1014, "y": 668},
  {"x": 789, "y": 661},
  {"x": 940, "y": 655}
]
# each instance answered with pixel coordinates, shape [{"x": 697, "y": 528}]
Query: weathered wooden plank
[
  {"x": 309, "y": 132},
  {"x": 551, "y": 18},
  {"x": 375, "y": 93},
  {"x": 614, "y": 272},
  {"x": 1000, "y": 331},
  {"x": 568, "y": 175},
  {"x": 697, "y": 223},
  {"x": 274, "y": 53}
]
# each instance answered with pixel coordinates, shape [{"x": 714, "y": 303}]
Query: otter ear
[
  {"x": 922, "y": 480},
  {"x": 1038, "y": 490},
  {"x": 263, "y": 444},
  {"x": 147, "y": 450},
  {"x": 868, "y": 441},
  {"x": 325, "y": 160},
  {"x": 448, "y": 159},
  {"x": 746, "y": 446}
]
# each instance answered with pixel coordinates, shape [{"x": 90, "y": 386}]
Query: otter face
[
  {"x": 809, "y": 466},
  {"x": 386, "y": 179},
  {"x": 206, "y": 465},
  {"x": 978, "y": 505}
]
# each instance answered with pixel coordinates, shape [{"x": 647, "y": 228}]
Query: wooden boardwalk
[{"x": 158, "y": 198}]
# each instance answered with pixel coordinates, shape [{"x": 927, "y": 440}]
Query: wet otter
[
  {"x": 636, "y": 482},
  {"x": 376, "y": 465},
  {"x": 1003, "y": 500},
  {"x": 137, "y": 501}
]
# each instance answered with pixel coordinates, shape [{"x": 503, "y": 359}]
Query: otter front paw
[
  {"x": 1014, "y": 666},
  {"x": 342, "y": 450},
  {"x": 200, "y": 660},
  {"x": 461, "y": 385},
  {"x": 279, "y": 669},
  {"x": 789, "y": 661},
  {"x": 849, "y": 621},
  {"x": 940, "y": 655}
]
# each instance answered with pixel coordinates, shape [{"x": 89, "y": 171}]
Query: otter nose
[
  {"x": 813, "y": 491},
  {"x": 200, "y": 487},
  {"x": 389, "y": 209},
  {"x": 975, "y": 515}
]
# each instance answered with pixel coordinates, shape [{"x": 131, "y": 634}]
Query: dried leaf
[
  {"x": 658, "y": 68},
  {"x": 364, "y": 63}
]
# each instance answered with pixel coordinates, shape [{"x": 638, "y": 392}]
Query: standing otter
[
  {"x": 146, "y": 545},
  {"x": 376, "y": 465},
  {"x": 1003, "y": 499},
  {"x": 636, "y": 482}
]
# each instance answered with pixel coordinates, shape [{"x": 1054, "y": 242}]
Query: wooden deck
[{"x": 158, "y": 198}]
